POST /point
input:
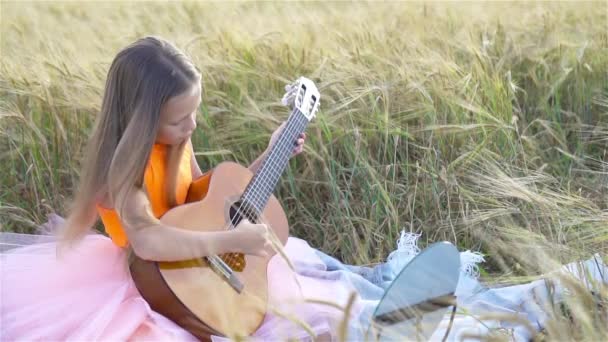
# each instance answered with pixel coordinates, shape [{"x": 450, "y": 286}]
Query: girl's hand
[
  {"x": 252, "y": 238},
  {"x": 298, "y": 144}
]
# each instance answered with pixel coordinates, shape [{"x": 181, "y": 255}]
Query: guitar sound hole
[{"x": 240, "y": 211}]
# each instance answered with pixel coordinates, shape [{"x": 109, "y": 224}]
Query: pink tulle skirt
[{"x": 88, "y": 294}]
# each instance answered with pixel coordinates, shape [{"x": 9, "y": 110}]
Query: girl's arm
[{"x": 152, "y": 240}]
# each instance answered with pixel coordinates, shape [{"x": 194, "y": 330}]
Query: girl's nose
[{"x": 192, "y": 123}]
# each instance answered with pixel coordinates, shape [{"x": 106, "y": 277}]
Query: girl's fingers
[{"x": 299, "y": 144}]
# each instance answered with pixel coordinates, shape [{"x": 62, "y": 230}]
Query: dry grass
[{"x": 484, "y": 124}]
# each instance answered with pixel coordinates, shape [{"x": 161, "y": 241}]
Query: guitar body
[{"x": 190, "y": 292}]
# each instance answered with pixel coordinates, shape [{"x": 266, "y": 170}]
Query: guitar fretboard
[{"x": 264, "y": 181}]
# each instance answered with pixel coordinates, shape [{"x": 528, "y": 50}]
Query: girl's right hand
[{"x": 252, "y": 238}]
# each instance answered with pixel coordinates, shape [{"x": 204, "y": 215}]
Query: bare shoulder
[
  {"x": 136, "y": 208},
  {"x": 137, "y": 198}
]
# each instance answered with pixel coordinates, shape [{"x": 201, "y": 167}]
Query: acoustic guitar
[{"x": 227, "y": 295}]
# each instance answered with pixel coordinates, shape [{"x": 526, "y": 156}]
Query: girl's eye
[
  {"x": 178, "y": 122},
  {"x": 175, "y": 123}
]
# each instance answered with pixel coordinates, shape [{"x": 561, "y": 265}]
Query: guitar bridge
[
  {"x": 236, "y": 261},
  {"x": 225, "y": 271}
]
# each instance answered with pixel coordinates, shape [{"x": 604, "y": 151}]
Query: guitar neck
[{"x": 264, "y": 181}]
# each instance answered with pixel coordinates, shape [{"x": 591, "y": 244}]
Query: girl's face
[{"x": 178, "y": 117}]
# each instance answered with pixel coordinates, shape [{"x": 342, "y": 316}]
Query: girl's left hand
[{"x": 299, "y": 143}]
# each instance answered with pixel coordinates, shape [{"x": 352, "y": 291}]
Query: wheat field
[{"x": 481, "y": 123}]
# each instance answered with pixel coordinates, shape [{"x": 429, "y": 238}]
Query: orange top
[{"x": 154, "y": 181}]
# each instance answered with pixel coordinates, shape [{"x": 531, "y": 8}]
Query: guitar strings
[
  {"x": 272, "y": 163},
  {"x": 250, "y": 208},
  {"x": 253, "y": 205},
  {"x": 274, "y": 166},
  {"x": 291, "y": 129}
]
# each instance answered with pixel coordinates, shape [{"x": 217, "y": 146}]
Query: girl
[{"x": 138, "y": 164}]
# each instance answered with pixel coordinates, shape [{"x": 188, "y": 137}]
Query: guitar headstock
[{"x": 303, "y": 95}]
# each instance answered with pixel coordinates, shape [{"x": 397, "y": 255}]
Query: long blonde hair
[{"x": 142, "y": 77}]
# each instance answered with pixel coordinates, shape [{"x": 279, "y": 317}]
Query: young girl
[{"x": 139, "y": 163}]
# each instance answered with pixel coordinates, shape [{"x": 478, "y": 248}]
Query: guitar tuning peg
[
  {"x": 291, "y": 86},
  {"x": 290, "y": 94}
]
